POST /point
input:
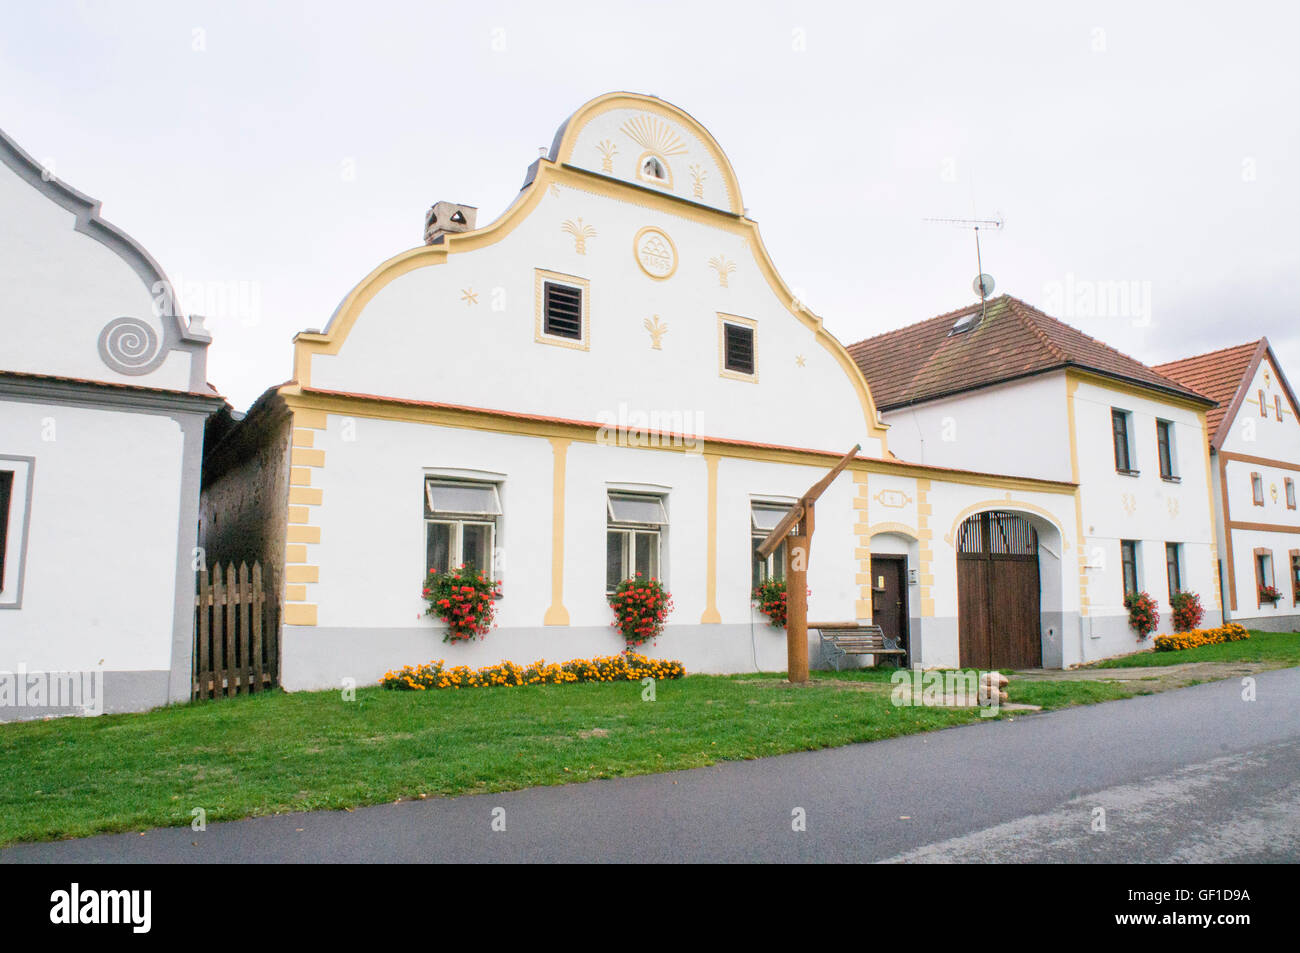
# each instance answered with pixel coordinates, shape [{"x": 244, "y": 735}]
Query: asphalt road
[{"x": 1192, "y": 775}]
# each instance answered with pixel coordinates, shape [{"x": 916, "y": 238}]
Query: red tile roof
[
  {"x": 923, "y": 361},
  {"x": 1224, "y": 375}
]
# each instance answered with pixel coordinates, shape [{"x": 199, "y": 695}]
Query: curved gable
[
  {"x": 661, "y": 276},
  {"x": 619, "y": 134},
  {"x": 83, "y": 299}
]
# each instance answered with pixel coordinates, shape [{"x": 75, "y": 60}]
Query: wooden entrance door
[
  {"x": 889, "y": 597},
  {"x": 998, "y": 596}
]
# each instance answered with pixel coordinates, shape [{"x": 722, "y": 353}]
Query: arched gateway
[{"x": 998, "y": 609}]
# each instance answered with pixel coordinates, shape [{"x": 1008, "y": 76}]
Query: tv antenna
[{"x": 983, "y": 284}]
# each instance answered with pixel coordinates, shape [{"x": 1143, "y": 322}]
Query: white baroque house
[
  {"x": 612, "y": 378},
  {"x": 1254, "y": 443},
  {"x": 103, "y": 401}
]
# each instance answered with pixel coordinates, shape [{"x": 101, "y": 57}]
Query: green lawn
[
  {"x": 1280, "y": 647},
  {"x": 277, "y": 752}
]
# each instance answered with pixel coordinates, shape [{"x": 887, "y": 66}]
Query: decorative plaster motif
[
  {"x": 607, "y": 150},
  {"x": 469, "y": 296},
  {"x": 657, "y": 331},
  {"x": 653, "y": 135},
  {"x": 130, "y": 346},
  {"x": 800, "y": 360},
  {"x": 1173, "y": 507},
  {"x": 893, "y": 499},
  {"x": 580, "y": 233},
  {"x": 1130, "y": 503},
  {"x": 1272, "y": 490},
  {"x": 655, "y": 253},
  {"x": 723, "y": 267},
  {"x": 698, "y": 175},
  {"x": 659, "y": 141}
]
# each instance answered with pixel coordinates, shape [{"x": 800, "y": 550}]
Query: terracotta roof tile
[
  {"x": 924, "y": 361},
  {"x": 1218, "y": 374}
]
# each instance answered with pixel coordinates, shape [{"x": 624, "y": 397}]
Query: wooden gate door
[
  {"x": 998, "y": 596},
  {"x": 889, "y": 597}
]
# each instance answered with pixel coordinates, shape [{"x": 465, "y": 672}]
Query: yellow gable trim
[
  {"x": 657, "y": 107},
  {"x": 1133, "y": 389},
  {"x": 307, "y": 344}
]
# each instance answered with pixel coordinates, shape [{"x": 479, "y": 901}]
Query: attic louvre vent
[
  {"x": 563, "y": 311},
  {"x": 965, "y": 323},
  {"x": 739, "y": 343}
]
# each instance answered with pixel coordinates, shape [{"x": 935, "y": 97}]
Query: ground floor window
[
  {"x": 763, "y": 519},
  {"x": 6, "y": 493},
  {"x": 1128, "y": 550},
  {"x": 1295, "y": 577},
  {"x": 634, "y": 537},
  {"x": 1174, "y": 568},
  {"x": 460, "y": 525},
  {"x": 1263, "y": 572}
]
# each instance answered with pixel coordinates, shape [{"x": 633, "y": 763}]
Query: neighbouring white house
[
  {"x": 103, "y": 401},
  {"x": 1002, "y": 385},
  {"x": 612, "y": 378},
  {"x": 1254, "y": 442}
]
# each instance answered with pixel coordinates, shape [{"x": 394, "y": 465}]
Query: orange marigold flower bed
[
  {"x": 606, "y": 668},
  {"x": 1231, "y": 632}
]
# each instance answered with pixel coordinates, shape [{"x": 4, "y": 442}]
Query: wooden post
[
  {"x": 796, "y": 609},
  {"x": 798, "y": 549}
]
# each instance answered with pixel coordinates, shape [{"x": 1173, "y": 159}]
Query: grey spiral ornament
[{"x": 130, "y": 346}]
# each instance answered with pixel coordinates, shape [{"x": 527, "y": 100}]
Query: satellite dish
[{"x": 983, "y": 286}]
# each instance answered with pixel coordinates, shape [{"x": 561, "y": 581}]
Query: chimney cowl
[{"x": 448, "y": 218}]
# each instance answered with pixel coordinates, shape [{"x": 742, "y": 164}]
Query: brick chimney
[{"x": 447, "y": 217}]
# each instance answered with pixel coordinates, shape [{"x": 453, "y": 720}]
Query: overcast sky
[{"x": 282, "y": 151}]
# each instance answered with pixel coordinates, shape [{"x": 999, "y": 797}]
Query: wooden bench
[{"x": 842, "y": 639}]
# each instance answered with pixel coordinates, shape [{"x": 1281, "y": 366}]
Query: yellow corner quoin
[
  {"x": 862, "y": 608},
  {"x": 305, "y": 495},
  {"x": 299, "y": 613},
  {"x": 295, "y": 553},
  {"x": 303, "y": 534},
  {"x": 304, "y": 438},
  {"x": 557, "y": 172},
  {"x": 924, "y": 551},
  {"x": 305, "y": 457},
  {"x": 306, "y": 418},
  {"x": 302, "y": 573},
  {"x": 296, "y": 593}
]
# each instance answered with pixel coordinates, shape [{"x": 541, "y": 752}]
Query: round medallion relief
[{"x": 655, "y": 252}]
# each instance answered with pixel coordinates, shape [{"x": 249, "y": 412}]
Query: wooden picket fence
[{"x": 236, "y": 634}]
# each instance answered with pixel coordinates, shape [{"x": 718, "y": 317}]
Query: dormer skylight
[{"x": 965, "y": 323}]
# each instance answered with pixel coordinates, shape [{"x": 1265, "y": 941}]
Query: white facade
[
  {"x": 1260, "y": 442},
  {"x": 1058, "y": 425},
  {"x": 439, "y": 365},
  {"x": 102, "y": 408}
]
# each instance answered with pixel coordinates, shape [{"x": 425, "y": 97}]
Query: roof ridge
[
  {"x": 1029, "y": 321},
  {"x": 916, "y": 324},
  {"x": 1103, "y": 344},
  {"x": 1254, "y": 345}
]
